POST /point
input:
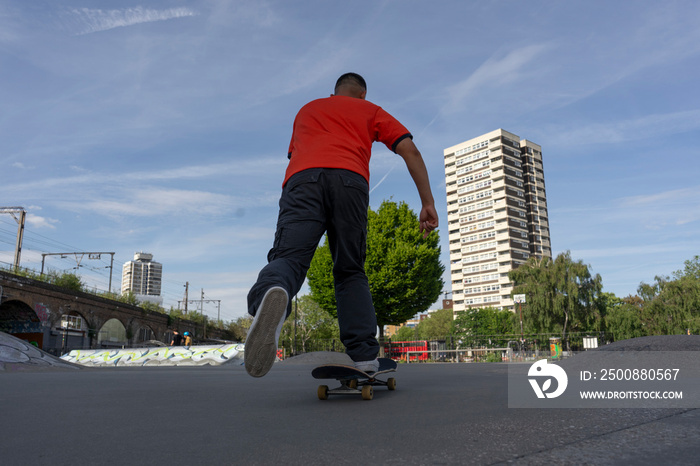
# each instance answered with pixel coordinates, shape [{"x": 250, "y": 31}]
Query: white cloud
[
  {"x": 155, "y": 203},
  {"x": 95, "y": 20},
  {"x": 41, "y": 222},
  {"x": 674, "y": 196},
  {"x": 645, "y": 127},
  {"x": 668, "y": 214},
  {"x": 673, "y": 207},
  {"x": 630, "y": 251},
  {"x": 247, "y": 168},
  {"x": 237, "y": 167},
  {"x": 494, "y": 71}
]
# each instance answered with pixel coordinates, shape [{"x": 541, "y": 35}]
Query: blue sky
[{"x": 163, "y": 126}]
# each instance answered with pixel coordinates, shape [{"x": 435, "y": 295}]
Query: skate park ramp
[
  {"x": 161, "y": 356},
  {"x": 18, "y": 355}
]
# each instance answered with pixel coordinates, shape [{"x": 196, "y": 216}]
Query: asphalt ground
[{"x": 439, "y": 414}]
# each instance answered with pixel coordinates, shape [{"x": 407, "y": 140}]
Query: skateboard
[{"x": 354, "y": 381}]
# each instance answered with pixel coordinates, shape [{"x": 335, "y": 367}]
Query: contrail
[
  {"x": 383, "y": 178},
  {"x": 97, "y": 20},
  {"x": 394, "y": 166}
]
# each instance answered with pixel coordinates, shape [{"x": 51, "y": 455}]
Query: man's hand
[{"x": 428, "y": 219}]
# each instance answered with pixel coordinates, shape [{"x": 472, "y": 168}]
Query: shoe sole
[{"x": 261, "y": 344}]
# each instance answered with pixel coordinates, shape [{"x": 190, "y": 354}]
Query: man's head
[{"x": 351, "y": 85}]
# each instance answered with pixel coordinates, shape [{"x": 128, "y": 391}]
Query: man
[
  {"x": 326, "y": 190},
  {"x": 177, "y": 339}
]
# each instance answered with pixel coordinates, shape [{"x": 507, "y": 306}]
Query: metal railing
[{"x": 458, "y": 348}]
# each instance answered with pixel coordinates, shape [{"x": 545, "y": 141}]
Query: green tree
[
  {"x": 66, "y": 280},
  {"x": 483, "y": 321},
  {"x": 177, "y": 313},
  {"x": 245, "y": 322},
  {"x": 623, "y": 317},
  {"x": 405, "y": 333},
  {"x": 438, "y": 325},
  {"x": 128, "y": 298},
  {"x": 562, "y": 295},
  {"x": 308, "y": 322},
  {"x": 153, "y": 307},
  {"x": 691, "y": 269},
  {"x": 672, "y": 306},
  {"x": 403, "y": 268},
  {"x": 236, "y": 330}
]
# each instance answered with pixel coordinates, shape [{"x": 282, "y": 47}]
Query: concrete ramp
[
  {"x": 161, "y": 356},
  {"x": 18, "y": 355}
]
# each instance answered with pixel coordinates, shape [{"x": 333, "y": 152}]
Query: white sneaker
[
  {"x": 264, "y": 333},
  {"x": 367, "y": 366}
]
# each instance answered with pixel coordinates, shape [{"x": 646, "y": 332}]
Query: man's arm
[{"x": 416, "y": 167}]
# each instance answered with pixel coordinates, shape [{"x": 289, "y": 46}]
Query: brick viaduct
[{"x": 33, "y": 310}]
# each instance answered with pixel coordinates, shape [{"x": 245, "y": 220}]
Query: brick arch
[
  {"x": 112, "y": 333},
  {"x": 20, "y": 320},
  {"x": 78, "y": 334},
  {"x": 50, "y": 302},
  {"x": 16, "y": 310},
  {"x": 142, "y": 332},
  {"x": 70, "y": 312}
]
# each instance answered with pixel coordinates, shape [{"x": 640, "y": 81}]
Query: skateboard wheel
[
  {"x": 367, "y": 392},
  {"x": 323, "y": 392},
  {"x": 391, "y": 383},
  {"x": 352, "y": 383}
]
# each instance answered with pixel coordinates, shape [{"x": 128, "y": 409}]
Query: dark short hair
[{"x": 351, "y": 78}]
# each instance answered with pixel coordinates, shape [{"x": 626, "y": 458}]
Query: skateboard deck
[{"x": 354, "y": 381}]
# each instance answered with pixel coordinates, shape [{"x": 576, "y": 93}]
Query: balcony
[
  {"x": 505, "y": 236},
  {"x": 505, "y": 269},
  {"x": 498, "y": 184}
]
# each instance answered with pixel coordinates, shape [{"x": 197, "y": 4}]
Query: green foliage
[
  {"x": 486, "y": 321},
  {"x": 22, "y": 272},
  {"x": 320, "y": 279},
  {"x": 308, "y": 322},
  {"x": 177, "y": 313},
  {"x": 66, "y": 280},
  {"x": 623, "y": 317},
  {"x": 236, "y": 330},
  {"x": 405, "y": 333},
  {"x": 562, "y": 295},
  {"x": 690, "y": 271},
  {"x": 153, "y": 307},
  {"x": 403, "y": 268},
  {"x": 438, "y": 325},
  {"x": 672, "y": 306},
  {"x": 128, "y": 298},
  {"x": 196, "y": 317}
]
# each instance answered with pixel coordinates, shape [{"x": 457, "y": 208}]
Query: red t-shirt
[{"x": 338, "y": 132}]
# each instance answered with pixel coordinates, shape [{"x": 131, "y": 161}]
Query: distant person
[
  {"x": 177, "y": 339},
  {"x": 188, "y": 339},
  {"x": 326, "y": 190}
]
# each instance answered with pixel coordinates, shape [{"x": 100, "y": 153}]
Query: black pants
[{"x": 314, "y": 202}]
